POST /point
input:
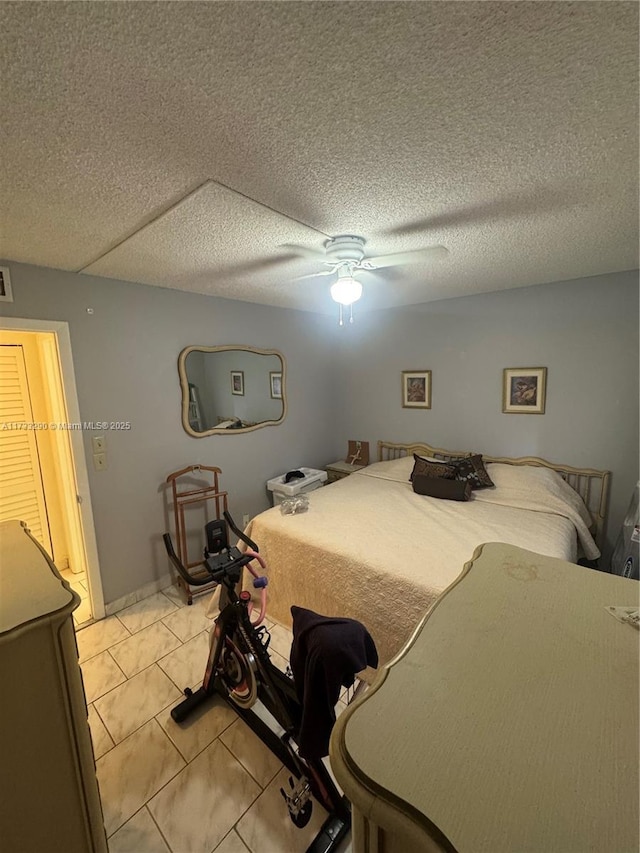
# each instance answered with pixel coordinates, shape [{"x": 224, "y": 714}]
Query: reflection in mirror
[{"x": 231, "y": 389}]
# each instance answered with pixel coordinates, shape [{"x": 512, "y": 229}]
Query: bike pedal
[
  {"x": 264, "y": 637},
  {"x": 291, "y": 786}
]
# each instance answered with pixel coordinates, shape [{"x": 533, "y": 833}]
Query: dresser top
[
  {"x": 510, "y": 721},
  {"x": 29, "y": 586}
]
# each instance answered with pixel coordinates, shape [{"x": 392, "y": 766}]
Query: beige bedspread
[{"x": 370, "y": 548}]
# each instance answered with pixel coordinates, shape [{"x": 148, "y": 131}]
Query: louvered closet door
[{"x": 21, "y": 490}]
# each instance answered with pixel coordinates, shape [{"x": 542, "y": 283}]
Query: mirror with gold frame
[{"x": 230, "y": 389}]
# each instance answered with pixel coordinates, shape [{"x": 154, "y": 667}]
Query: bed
[{"x": 372, "y": 549}]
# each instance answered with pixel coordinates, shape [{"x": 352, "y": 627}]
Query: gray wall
[
  {"x": 341, "y": 384},
  {"x": 125, "y": 357},
  {"x": 584, "y": 331}
]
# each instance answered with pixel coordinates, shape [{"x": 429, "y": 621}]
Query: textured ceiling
[{"x": 183, "y": 144}]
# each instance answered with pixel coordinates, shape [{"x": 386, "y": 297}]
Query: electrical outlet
[
  {"x": 100, "y": 461},
  {"x": 246, "y": 518},
  {"x": 99, "y": 444}
]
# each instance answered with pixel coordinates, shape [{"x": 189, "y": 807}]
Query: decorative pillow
[
  {"x": 436, "y": 487},
  {"x": 471, "y": 470},
  {"x": 432, "y": 468}
]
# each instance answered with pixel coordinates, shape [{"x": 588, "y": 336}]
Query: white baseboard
[{"x": 138, "y": 594}]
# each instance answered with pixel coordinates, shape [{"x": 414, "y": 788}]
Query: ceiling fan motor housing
[{"x": 345, "y": 248}]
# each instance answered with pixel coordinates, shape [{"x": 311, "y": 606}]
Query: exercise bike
[{"x": 240, "y": 671}]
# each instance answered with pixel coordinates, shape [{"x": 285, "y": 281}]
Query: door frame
[{"x": 61, "y": 330}]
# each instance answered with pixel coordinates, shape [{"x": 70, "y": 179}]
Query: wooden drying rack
[{"x": 182, "y": 499}]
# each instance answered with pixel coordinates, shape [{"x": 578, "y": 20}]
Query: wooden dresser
[
  {"x": 508, "y": 723},
  {"x": 50, "y": 798}
]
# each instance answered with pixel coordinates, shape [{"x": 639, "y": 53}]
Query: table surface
[{"x": 510, "y": 721}]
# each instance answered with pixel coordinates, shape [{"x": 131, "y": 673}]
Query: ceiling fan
[{"x": 345, "y": 257}]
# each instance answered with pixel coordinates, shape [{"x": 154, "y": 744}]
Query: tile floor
[
  {"x": 206, "y": 785},
  {"x": 78, "y": 582}
]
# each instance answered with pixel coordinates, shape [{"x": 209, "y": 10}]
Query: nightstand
[{"x": 340, "y": 469}]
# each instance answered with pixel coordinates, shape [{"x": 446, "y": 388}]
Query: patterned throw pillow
[
  {"x": 471, "y": 470},
  {"x": 437, "y": 487},
  {"x": 426, "y": 468}
]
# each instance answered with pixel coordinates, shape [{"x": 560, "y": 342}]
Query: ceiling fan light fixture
[{"x": 346, "y": 290}]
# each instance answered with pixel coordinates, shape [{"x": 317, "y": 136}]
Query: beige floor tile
[
  {"x": 133, "y": 771},
  {"x": 200, "y": 806},
  {"x": 82, "y": 613},
  {"x": 200, "y": 728},
  {"x": 267, "y": 827},
  {"x": 175, "y": 594},
  {"x": 186, "y": 622},
  {"x": 127, "y": 707},
  {"x": 186, "y": 666},
  {"x": 251, "y": 752},
  {"x": 281, "y": 640},
  {"x": 100, "y": 674},
  {"x": 143, "y": 613},
  {"x": 232, "y": 844},
  {"x": 278, "y": 660},
  {"x": 138, "y": 835},
  {"x": 76, "y": 586},
  {"x": 68, "y": 575},
  {"x": 100, "y": 737},
  {"x": 144, "y": 648},
  {"x": 99, "y": 636}
]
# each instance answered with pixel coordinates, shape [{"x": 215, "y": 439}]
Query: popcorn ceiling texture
[{"x": 507, "y": 132}]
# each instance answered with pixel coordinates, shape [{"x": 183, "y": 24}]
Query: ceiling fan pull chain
[
  {"x": 341, "y": 320},
  {"x": 351, "y": 313}
]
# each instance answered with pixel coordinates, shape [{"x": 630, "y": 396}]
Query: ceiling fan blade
[
  {"x": 313, "y": 275},
  {"x": 539, "y": 202},
  {"x": 414, "y": 257},
  {"x": 304, "y": 251},
  {"x": 256, "y": 266}
]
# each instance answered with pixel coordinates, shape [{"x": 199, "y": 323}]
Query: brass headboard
[{"x": 592, "y": 485}]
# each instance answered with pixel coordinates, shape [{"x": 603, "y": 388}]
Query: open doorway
[{"x": 43, "y": 476}]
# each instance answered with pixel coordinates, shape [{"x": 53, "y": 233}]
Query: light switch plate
[
  {"x": 100, "y": 461},
  {"x": 99, "y": 444}
]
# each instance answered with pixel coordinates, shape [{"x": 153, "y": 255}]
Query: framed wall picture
[
  {"x": 237, "y": 382},
  {"x": 6, "y": 294},
  {"x": 275, "y": 383},
  {"x": 416, "y": 389},
  {"x": 524, "y": 390}
]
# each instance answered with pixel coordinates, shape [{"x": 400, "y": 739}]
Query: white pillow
[
  {"x": 512, "y": 481},
  {"x": 398, "y": 470}
]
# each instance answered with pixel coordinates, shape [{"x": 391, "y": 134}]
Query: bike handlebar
[
  {"x": 238, "y": 532},
  {"x": 234, "y": 562}
]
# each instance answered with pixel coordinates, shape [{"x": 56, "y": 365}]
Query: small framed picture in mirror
[
  {"x": 237, "y": 382},
  {"x": 275, "y": 381}
]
